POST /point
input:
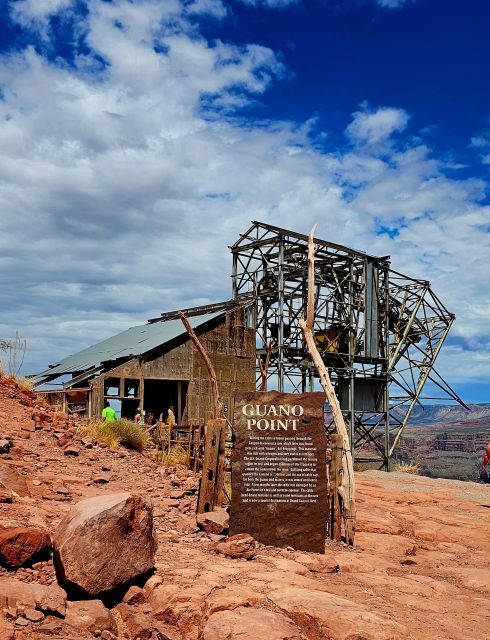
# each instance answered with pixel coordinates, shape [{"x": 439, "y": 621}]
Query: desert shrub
[
  {"x": 177, "y": 454},
  {"x": 15, "y": 351},
  {"x": 407, "y": 467},
  {"x": 129, "y": 433},
  {"x": 119, "y": 432}
]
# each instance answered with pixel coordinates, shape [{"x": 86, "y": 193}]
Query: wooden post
[
  {"x": 335, "y": 521},
  {"x": 264, "y": 369},
  {"x": 220, "y": 473},
  {"x": 216, "y": 402},
  {"x": 346, "y": 489},
  {"x": 211, "y": 485}
]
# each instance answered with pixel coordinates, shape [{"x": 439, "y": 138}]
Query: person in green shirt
[{"x": 108, "y": 413}]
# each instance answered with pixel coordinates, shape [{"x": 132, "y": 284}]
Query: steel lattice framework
[{"x": 379, "y": 332}]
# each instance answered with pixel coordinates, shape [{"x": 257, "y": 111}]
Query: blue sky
[{"x": 139, "y": 138}]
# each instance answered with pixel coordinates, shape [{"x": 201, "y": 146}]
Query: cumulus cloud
[
  {"x": 122, "y": 183},
  {"x": 373, "y": 126}
]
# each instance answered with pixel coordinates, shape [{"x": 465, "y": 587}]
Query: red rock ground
[{"x": 420, "y": 568}]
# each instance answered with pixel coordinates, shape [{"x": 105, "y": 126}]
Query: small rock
[
  {"x": 6, "y": 496},
  {"x": 176, "y": 495},
  {"x": 71, "y": 450},
  {"x": 10, "y": 480},
  {"x": 106, "y": 467},
  {"x": 214, "y": 521},
  {"x": 102, "y": 479},
  {"x": 166, "y": 632},
  {"x": 134, "y": 596},
  {"x": 91, "y": 615},
  {"x": 21, "y": 622},
  {"x": 5, "y": 445},
  {"x": 33, "y": 615},
  {"x": 139, "y": 625},
  {"x": 59, "y": 487},
  {"x": 18, "y": 545},
  {"x": 240, "y": 546},
  {"x": 52, "y": 628}
]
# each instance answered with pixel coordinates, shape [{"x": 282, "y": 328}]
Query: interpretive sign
[{"x": 278, "y": 469}]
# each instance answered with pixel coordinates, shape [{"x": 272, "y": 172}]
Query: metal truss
[{"x": 379, "y": 332}]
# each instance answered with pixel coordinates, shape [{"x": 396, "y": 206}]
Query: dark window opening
[{"x": 159, "y": 395}]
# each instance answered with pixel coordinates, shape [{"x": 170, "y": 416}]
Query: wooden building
[{"x": 154, "y": 366}]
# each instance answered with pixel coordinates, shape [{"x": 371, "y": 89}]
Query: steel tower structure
[{"x": 379, "y": 332}]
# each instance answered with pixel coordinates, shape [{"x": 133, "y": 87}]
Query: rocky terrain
[
  {"x": 451, "y": 450},
  {"x": 420, "y": 568},
  {"x": 447, "y": 413}
]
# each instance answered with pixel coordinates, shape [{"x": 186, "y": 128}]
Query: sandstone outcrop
[
  {"x": 339, "y": 618},
  {"x": 250, "y": 624},
  {"x": 104, "y": 542}
]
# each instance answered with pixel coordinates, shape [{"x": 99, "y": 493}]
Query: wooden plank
[
  {"x": 207, "y": 485},
  {"x": 220, "y": 472}
]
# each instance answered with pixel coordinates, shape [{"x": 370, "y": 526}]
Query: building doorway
[{"x": 159, "y": 395}]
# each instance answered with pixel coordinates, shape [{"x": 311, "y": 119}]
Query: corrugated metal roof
[{"x": 132, "y": 342}]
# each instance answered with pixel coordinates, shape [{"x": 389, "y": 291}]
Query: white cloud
[
  {"x": 214, "y": 8},
  {"x": 376, "y": 126},
  {"x": 35, "y": 14},
  {"x": 270, "y": 4},
  {"x": 122, "y": 184},
  {"x": 392, "y": 4}
]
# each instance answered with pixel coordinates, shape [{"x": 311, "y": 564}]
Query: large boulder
[
  {"x": 18, "y": 545},
  {"x": 104, "y": 542}
]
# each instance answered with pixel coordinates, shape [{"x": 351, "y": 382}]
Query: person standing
[
  {"x": 139, "y": 418},
  {"x": 170, "y": 417},
  {"x": 108, "y": 413}
]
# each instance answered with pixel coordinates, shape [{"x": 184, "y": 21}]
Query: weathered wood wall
[{"x": 231, "y": 347}]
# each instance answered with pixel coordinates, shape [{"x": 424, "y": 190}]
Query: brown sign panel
[{"x": 278, "y": 469}]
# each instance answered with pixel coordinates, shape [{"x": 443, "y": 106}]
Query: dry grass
[
  {"x": 407, "y": 467},
  {"x": 25, "y": 384},
  {"x": 116, "y": 433},
  {"x": 365, "y": 466},
  {"x": 176, "y": 455}
]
